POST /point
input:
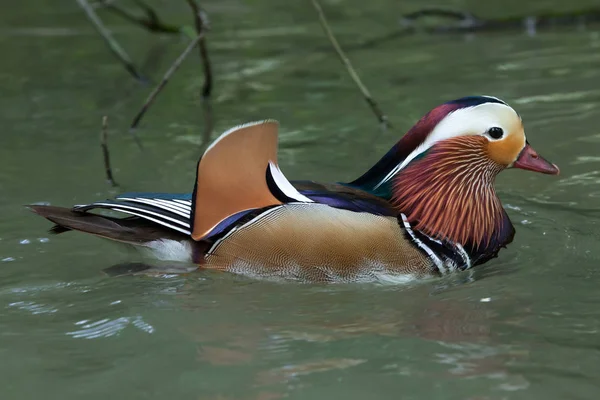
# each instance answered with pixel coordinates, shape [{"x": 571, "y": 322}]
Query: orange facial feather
[{"x": 506, "y": 151}]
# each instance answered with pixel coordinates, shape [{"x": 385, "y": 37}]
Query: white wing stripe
[
  {"x": 170, "y": 203},
  {"x": 163, "y": 223},
  {"x": 186, "y": 202},
  {"x": 285, "y": 186},
  {"x": 158, "y": 204},
  {"x": 182, "y": 230},
  {"x": 117, "y": 207}
]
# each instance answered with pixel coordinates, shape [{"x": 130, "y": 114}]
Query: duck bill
[{"x": 530, "y": 160}]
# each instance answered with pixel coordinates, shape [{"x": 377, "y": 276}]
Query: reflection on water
[
  {"x": 523, "y": 326},
  {"x": 106, "y": 327},
  {"x": 33, "y": 307},
  {"x": 459, "y": 336}
]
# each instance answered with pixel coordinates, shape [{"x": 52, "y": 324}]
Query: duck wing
[{"x": 237, "y": 175}]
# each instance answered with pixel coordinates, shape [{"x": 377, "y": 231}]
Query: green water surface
[{"x": 524, "y": 326}]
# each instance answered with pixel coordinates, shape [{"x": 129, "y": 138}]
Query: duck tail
[{"x": 131, "y": 230}]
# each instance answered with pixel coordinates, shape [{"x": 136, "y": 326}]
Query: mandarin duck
[{"x": 427, "y": 208}]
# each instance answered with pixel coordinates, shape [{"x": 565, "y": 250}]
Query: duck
[{"x": 426, "y": 209}]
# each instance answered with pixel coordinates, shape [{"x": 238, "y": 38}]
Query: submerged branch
[
  {"x": 465, "y": 22},
  {"x": 468, "y": 22},
  {"x": 112, "y": 43},
  {"x": 201, "y": 23},
  {"x": 383, "y": 120},
  {"x": 176, "y": 64},
  {"x": 105, "y": 154}
]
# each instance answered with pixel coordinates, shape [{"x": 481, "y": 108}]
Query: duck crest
[
  {"x": 378, "y": 179},
  {"x": 448, "y": 193}
]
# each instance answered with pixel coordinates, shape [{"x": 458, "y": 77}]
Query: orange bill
[{"x": 530, "y": 160}]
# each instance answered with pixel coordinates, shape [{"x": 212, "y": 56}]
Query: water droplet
[
  {"x": 43, "y": 240},
  {"x": 25, "y": 241},
  {"x": 486, "y": 300}
]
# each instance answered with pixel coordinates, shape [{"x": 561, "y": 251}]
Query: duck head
[{"x": 441, "y": 174}]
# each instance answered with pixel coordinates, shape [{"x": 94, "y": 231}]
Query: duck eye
[{"x": 495, "y": 132}]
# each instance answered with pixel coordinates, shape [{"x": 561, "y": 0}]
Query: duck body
[
  {"x": 332, "y": 239},
  {"x": 396, "y": 222}
]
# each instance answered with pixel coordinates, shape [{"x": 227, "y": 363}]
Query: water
[{"x": 524, "y": 326}]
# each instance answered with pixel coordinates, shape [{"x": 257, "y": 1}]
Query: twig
[
  {"x": 176, "y": 64},
  {"x": 383, "y": 120},
  {"x": 201, "y": 26},
  {"x": 105, "y": 154},
  {"x": 151, "y": 23},
  {"x": 102, "y": 3},
  {"x": 110, "y": 40}
]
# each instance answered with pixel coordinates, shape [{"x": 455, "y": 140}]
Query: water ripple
[
  {"x": 556, "y": 97},
  {"x": 585, "y": 179},
  {"x": 106, "y": 327},
  {"x": 33, "y": 308}
]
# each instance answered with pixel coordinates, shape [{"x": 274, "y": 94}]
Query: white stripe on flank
[
  {"x": 436, "y": 260},
  {"x": 464, "y": 255},
  {"x": 233, "y": 230},
  {"x": 285, "y": 186}
]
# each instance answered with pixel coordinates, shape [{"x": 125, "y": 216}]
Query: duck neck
[{"x": 449, "y": 194}]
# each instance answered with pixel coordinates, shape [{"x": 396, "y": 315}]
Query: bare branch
[
  {"x": 151, "y": 23},
  {"x": 201, "y": 24},
  {"x": 105, "y": 153},
  {"x": 176, "y": 64},
  {"x": 383, "y": 120},
  {"x": 110, "y": 40}
]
